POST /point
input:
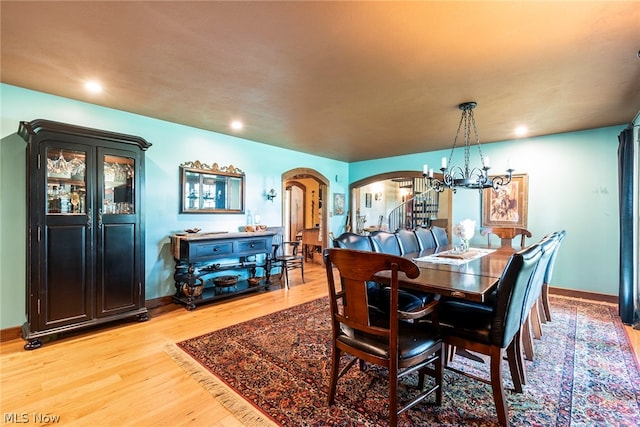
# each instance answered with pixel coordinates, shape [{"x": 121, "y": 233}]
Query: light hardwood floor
[{"x": 121, "y": 375}]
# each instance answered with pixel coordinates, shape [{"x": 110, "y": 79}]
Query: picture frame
[
  {"x": 367, "y": 200},
  {"x": 508, "y": 206},
  {"x": 338, "y": 203}
]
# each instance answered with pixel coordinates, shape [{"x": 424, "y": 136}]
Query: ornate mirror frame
[{"x": 211, "y": 189}]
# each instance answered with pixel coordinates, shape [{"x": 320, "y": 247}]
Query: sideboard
[{"x": 202, "y": 257}]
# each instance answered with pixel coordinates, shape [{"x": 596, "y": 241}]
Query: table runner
[{"x": 452, "y": 257}]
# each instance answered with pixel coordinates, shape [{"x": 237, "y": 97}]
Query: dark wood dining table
[{"x": 473, "y": 280}]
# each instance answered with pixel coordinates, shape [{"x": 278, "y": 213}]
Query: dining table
[{"x": 470, "y": 275}]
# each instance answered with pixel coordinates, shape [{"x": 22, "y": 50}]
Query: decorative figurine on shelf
[{"x": 464, "y": 230}]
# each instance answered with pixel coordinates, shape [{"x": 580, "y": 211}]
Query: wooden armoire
[{"x": 85, "y": 228}]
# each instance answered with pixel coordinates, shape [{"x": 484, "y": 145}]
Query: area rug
[{"x": 584, "y": 374}]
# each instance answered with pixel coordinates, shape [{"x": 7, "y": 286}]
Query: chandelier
[{"x": 465, "y": 176}]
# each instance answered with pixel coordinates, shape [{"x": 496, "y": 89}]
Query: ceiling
[{"x": 344, "y": 80}]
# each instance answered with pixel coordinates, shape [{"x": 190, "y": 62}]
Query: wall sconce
[
  {"x": 378, "y": 195},
  {"x": 271, "y": 195}
]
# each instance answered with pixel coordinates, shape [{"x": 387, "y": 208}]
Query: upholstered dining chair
[
  {"x": 385, "y": 242},
  {"x": 506, "y": 235},
  {"x": 407, "y": 240},
  {"x": 425, "y": 238},
  {"x": 401, "y": 347},
  {"x": 492, "y": 330},
  {"x": 286, "y": 255},
  {"x": 350, "y": 240},
  {"x": 440, "y": 235},
  {"x": 544, "y": 297},
  {"x": 531, "y": 326}
]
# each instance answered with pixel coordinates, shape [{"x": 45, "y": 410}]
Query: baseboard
[
  {"x": 166, "y": 304},
  {"x": 155, "y": 306},
  {"x": 10, "y": 334},
  {"x": 593, "y": 296}
]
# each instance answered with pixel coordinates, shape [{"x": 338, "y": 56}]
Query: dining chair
[
  {"x": 407, "y": 240},
  {"x": 402, "y": 348},
  {"x": 506, "y": 235},
  {"x": 348, "y": 240},
  {"x": 493, "y": 330},
  {"x": 547, "y": 277},
  {"x": 378, "y": 294},
  {"x": 425, "y": 238},
  {"x": 440, "y": 235},
  {"x": 531, "y": 325},
  {"x": 286, "y": 255},
  {"x": 385, "y": 242}
]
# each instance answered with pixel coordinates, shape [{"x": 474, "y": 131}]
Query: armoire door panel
[
  {"x": 66, "y": 288},
  {"x": 118, "y": 283}
]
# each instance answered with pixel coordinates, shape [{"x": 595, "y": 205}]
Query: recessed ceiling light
[
  {"x": 93, "y": 86},
  {"x": 521, "y": 131},
  {"x": 237, "y": 125}
]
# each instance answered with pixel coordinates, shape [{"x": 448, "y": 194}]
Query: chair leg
[
  {"x": 393, "y": 396},
  {"x": 541, "y": 314},
  {"x": 545, "y": 301},
  {"x": 536, "y": 323},
  {"x": 527, "y": 339},
  {"x": 285, "y": 268},
  {"x": 514, "y": 365},
  {"x": 439, "y": 373},
  {"x": 519, "y": 356},
  {"x": 302, "y": 271},
  {"x": 497, "y": 387},
  {"x": 333, "y": 378}
]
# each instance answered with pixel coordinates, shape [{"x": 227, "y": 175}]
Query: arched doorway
[
  {"x": 305, "y": 204},
  {"x": 386, "y": 190}
]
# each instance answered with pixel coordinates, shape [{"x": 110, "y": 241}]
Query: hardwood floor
[{"x": 122, "y": 376}]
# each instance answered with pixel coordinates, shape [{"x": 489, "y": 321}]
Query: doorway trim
[{"x": 323, "y": 181}]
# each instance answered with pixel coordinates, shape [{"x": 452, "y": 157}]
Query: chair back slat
[
  {"x": 356, "y": 268},
  {"x": 506, "y": 235}
]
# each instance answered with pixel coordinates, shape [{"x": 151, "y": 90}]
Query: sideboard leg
[{"x": 33, "y": 344}]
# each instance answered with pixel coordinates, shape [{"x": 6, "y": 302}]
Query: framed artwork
[
  {"x": 338, "y": 203},
  {"x": 367, "y": 200},
  {"x": 508, "y": 205}
]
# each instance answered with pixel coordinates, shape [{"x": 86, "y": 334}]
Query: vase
[{"x": 464, "y": 245}]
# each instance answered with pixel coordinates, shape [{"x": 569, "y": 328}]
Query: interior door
[{"x": 296, "y": 211}]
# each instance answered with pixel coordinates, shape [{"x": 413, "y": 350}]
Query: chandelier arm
[{"x": 500, "y": 180}]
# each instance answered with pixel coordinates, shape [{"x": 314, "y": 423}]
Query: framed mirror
[{"x": 211, "y": 189}]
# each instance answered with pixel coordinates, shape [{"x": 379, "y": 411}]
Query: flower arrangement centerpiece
[{"x": 464, "y": 230}]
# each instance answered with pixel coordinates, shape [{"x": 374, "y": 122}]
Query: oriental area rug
[{"x": 274, "y": 370}]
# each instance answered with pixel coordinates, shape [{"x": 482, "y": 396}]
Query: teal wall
[
  {"x": 572, "y": 185},
  {"x": 172, "y": 145}
]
